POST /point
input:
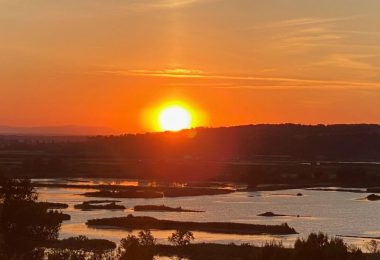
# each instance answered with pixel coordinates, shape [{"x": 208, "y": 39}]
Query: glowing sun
[{"x": 174, "y": 118}]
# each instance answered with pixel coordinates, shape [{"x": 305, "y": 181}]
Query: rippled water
[{"x": 336, "y": 213}]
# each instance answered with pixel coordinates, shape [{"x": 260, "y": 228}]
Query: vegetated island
[
  {"x": 99, "y": 204},
  {"x": 54, "y": 214},
  {"x": 161, "y": 208},
  {"x": 271, "y": 214},
  {"x": 136, "y": 223},
  {"x": 53, "y": 205},
  {"x": 373, "y": 197},
  {"x": 156, "y": 192},
  {"x": 81, "y": 243}
]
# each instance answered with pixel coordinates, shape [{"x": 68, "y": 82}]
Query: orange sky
[{"x": 105, "y": 63}]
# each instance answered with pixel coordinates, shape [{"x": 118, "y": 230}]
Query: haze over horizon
[{"x": 231, "y": 62}]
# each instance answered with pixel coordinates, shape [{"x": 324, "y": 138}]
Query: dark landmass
[
  {"x": 271, "y": 214},
  {"x": 373, "y": 197},
  {"x": 208, "y": 185},
  {"x": 136, "y": 223},
  {"x": 64, "y": 130},
  {"x": 373, "y": 190},
  {"x": 160, "y": 192},
  {"x": 101, "y": 201},
  {"x": 161, "y": 208},
  {"x": 53, "y": 205},
  {"x": 337, "y": 190},
  {"x": 82, "y": 243},
  {"x": 88, "y": 205},
  {"x": 277, "y": 187},
  {"x": 288, "y": 155}
]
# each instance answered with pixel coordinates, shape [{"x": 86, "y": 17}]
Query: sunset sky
[{"x": 112, "y": 63}]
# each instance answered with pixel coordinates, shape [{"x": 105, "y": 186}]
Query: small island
[
  {"x": 58, "y": 216},
  {"x": 137, "y": 223},
  {"x": 373, "y": 197},
  {"x": 162, "y": 208},
  {"x": 99, "y": 204},
  {"x": 53, "y": 205},
  {"x": 271, "y": 214},
  {"x": 81, "y": 243}
]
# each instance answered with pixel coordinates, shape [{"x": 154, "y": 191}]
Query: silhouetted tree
[
  {"x": 320, "y": 246},
  {"x": 181, "y": 238},
  {"x": 25, "y": 223},
  {"x": 373, "y": 246},
  {"x": 138, "y": 248}
]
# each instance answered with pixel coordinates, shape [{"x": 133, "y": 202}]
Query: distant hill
[
  {"x": 288, "y": 141},
  {"x": 54, "y": 130},
  {"x": 239, "y": 143},
  {"x": 252, "y": 154}
]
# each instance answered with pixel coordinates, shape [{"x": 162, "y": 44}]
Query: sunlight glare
[{"x": 174, "y": 118}]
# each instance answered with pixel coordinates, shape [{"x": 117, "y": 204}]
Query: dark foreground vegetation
[
  {"x": 161, "y": 208},
  {"x": 95, "y": 205},
  {"x": 315, "y": 247},
  {"x": 25, "y": 223},
  {"x": 136, "y": 223}
]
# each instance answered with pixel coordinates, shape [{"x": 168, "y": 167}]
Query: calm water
[{"x": 336, "y": 213}]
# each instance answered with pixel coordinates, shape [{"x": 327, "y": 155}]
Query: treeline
[
  {"x": 320, "y": 142},
  {"x": 233, "y": 153}
]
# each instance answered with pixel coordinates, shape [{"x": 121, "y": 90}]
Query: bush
[
  {"x": 320, "y": 246},
  {"x": 138, "y": 248},
  {"x": 181, "y": 238}
]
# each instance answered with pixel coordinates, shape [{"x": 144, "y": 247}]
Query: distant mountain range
[{"x": 55, "y": 130}]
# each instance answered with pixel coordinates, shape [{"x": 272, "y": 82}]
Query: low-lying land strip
[
  {"x": 338, "y": 189},
  {"x": 162, "y": 208},
  {"x": 82, "y": 243},
  {"x": 53, "y": 205},
  {"x": 136, "y": 223},
  {"x": 159, "y": 192},
  {"x": 373, "y": 197},
  {"x": 363, "y": 237},
  {"x": 99, "y": 204},
  {"x": 271, "y": 214}
]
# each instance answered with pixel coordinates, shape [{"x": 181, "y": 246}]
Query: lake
[{"x": 335, "y": 213}]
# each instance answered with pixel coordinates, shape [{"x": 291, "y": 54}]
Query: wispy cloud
[
  {"x": 310, "y": 32},
  {"x": 143, "y": 5},
  {"x": 351, "y": 61},
  {"x": 245, "y": 81},
  {"x": 167, "y": 73},
  {"x": 301, "y": 22}
]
